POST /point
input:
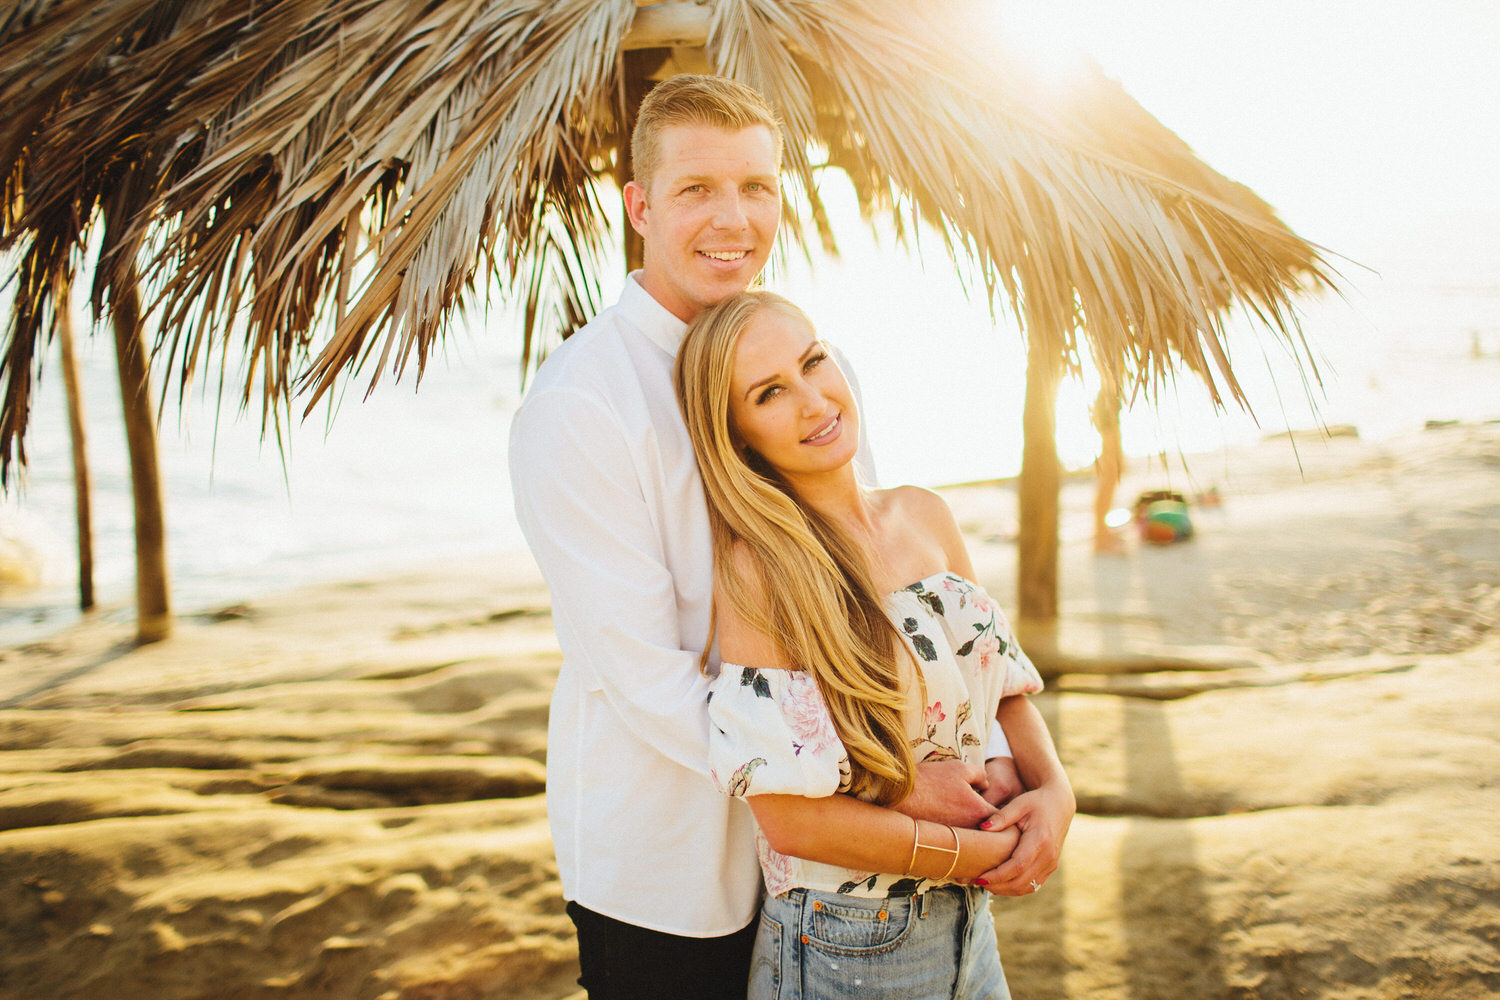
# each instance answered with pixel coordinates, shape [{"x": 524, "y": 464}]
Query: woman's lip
[{"x": 827, "y": 432}]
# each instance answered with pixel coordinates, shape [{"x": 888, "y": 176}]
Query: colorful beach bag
[{"x": 1162, "y": 517}]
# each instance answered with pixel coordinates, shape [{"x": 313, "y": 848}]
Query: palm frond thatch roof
[{"x": 327, "y": 181}]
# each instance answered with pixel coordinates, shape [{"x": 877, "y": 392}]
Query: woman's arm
[
  {"x": 1045, "y": 810},
  {"x": 842, "y": 830},
  {"x": 1041, "y": 815}
]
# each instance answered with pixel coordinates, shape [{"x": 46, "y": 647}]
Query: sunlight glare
[
  {"x": 1077, "y": 440},
  {"x": 1045, "y": 33}
]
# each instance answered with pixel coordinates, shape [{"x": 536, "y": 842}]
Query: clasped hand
[{"x": 993, "y": 798}]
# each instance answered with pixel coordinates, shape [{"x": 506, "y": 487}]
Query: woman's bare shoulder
[
  {"x": 924, "y": 508},
  {"x": 929, "y": 516}
]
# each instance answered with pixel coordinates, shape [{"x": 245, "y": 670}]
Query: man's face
[{"x": 708, "y": 215}]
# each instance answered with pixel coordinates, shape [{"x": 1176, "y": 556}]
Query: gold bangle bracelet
[
  {"x": 914, "y": 834},
  {"x": 942, "y": 850},
  {"x": 955, "y": 855}
]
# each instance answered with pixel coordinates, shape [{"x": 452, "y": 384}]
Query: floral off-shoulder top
[{"x": 772, "y": 733}]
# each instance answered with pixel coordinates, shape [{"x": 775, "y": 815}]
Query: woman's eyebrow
[{"x": 773, "y": 377}]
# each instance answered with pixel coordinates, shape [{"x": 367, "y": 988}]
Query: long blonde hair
[{"x": 819, "y": 602}]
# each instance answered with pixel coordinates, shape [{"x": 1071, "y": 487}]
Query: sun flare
[{"x": 1043, "y": 32}]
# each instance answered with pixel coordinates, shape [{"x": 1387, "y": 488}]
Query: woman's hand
[
  {"x": 1042, "y": 816},
  {"x": 981, "y": 852}
]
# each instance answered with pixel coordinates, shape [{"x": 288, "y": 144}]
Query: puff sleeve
[
  {"x": 1021, "y": 677},
  {"x": 770, "y": 733}
]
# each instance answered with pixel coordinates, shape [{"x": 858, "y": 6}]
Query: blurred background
[{"x": 1368, "y": 126}]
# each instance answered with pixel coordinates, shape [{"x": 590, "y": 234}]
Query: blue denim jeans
[{"x": 814, "y": 945}]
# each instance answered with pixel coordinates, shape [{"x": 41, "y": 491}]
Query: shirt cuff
[{"x": 998, "y": 745}]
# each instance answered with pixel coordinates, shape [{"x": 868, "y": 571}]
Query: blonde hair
[
  {"x": 691, "y": 99},
  {"x": 819, "y": 602}
]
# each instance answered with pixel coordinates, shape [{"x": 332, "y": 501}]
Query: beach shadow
[
  {"x": 109, "y": 655},
  {"x": 1171, "y": 937},
  {"x": 1032, "y": 929},
  {"x": 1171, "y": 947}
]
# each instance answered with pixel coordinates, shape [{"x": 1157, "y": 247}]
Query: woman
[{"x": 853, "y": 645}]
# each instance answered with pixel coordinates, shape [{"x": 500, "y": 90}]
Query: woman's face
[{"x": 788, "y": 399}]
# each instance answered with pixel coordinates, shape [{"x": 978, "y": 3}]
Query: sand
[{"x": 1281, "y": 734}]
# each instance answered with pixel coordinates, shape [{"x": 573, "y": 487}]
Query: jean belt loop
[{"x": 922, "y": 900}]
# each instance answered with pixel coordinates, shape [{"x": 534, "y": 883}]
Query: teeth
[
  {"x": 726, "y": 254},
  {"x": 825, "y": 431}
]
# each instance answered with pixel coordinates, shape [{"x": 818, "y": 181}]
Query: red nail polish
[{"x": 981, "y": 881}]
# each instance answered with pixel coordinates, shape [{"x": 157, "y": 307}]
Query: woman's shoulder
[
  {"x": 921, "y": 508},
  {"x": 927, "y": 516}
]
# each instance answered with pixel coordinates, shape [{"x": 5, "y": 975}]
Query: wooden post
[
  {"x": 62, "y": 311},
  {"x": 1040, "y": 486},
  {"x": 668, "y": 24},
  {"x": 637, "y": 64},
  {"x": 153, "y": 603}
]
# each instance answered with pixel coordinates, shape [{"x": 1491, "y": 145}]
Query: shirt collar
[{"x": 651, "y": 317}]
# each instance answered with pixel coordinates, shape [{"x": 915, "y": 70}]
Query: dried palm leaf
[{"x": 316, "y": 187}]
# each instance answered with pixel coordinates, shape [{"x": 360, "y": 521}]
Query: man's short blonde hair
[{"x": 692, "y": 99}]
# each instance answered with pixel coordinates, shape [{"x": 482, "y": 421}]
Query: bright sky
[
  {"x": 1360, "y": 120},
  {"x": 1370, "y": 126}
]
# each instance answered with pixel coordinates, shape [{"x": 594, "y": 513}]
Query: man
[{"x": 659, "y": 869}]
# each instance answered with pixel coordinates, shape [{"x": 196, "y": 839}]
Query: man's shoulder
[
  {"x": 595, "y": 378},
  {"x": 583, "y": 360}
]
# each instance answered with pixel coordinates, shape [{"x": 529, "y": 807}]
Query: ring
[{"x": 1034, "y": 886}]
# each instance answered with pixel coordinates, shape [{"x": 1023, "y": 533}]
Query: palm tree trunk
[
  {"x": 63, "y": 311},
  {"x": 153, "y": 604},
  {"x": 1041, "y": 482}
]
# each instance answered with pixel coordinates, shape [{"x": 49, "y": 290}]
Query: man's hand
[
  {"x": 1043, "y": 816},
  {"x": 1004, "y": 781},
  {"x": 948, "y": 792}
]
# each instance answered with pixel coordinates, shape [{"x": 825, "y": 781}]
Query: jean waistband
[{"x": 942, "y": 887}]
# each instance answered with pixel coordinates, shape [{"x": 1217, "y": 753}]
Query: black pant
[{"x": 621, "y": 961}]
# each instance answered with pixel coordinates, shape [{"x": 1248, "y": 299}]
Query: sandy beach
[{"x": 1281, "y": 734}]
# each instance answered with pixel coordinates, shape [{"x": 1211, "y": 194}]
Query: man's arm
[
  {"x": 1042, "y": 814},
  {"x": 845, "y": 831},
  {"x": 579, "y": 503},
  {"x": 951, "y": 792}
]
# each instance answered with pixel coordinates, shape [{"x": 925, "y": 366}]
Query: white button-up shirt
[{"x": 608, "y": 496}]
